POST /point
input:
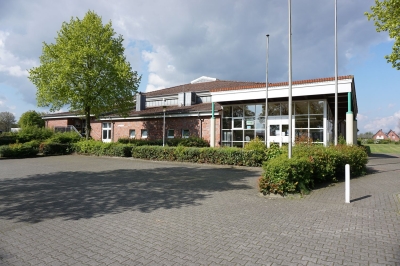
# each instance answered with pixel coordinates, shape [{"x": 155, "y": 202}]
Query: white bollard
[{"x": 347, "y": 183}]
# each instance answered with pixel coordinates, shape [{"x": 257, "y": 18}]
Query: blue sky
[{"x": 176, "y": 41}]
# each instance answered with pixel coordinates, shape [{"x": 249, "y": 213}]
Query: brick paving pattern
[{"x": 77, "y": 210}]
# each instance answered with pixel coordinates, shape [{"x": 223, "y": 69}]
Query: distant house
[{"x": 382, "y": 135}]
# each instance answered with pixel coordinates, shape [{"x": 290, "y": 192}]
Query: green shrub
[
  {"x": 193, "y": 142},
  {"x": 187, "y": 142},
  {"x": 64, "y": 138},
  {"x": 8, "y": 138},
  {"x": 20, "y": 150},
  {"x": 34, "y": 133},
  {"x": 282, "y": 176},
  {"x": 51, "y": 148},
  {"x": 93, "y": 147}
]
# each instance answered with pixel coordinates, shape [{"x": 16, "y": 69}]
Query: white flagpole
[
  {"x": 336, "y": 80},
  {"x": 290, "y": 80},
  {"x": 266, "y": 95}
]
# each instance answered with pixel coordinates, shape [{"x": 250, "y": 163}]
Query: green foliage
[
  {"x": 283, "y": 175},
  {"x": 386, "y": 16},
  {"x": 86, "y": 69},
  {"x": 255, "y": 144},
  {"x": 193, "y": 142},
  {"x": 34, "y": 133},
  {"x": 8, "y": 138},
  {"x": 7, "y": 120},
  {"x": 52, "y": 148},
  {"x": 20, "y": 150},
  {"x": 94, "y": 147},
  {"x": 65, "y": 137},
  {"x": 327, "y": 164},
  {"x": 30, "y": 119}
]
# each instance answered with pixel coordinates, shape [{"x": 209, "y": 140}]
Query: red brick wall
[
  {"x": 56, "y": 123},
  {"x": 392, "y": 136}
]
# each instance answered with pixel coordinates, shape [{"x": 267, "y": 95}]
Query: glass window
[
  {"x": 237, "y": 123},
  {"x": 237, "y": 111},
  {"x": 170, "y": 133},
  {"x": 316, "y": 121},
  {"x": 260, "y": 134},
  {"x": 185, "y": 133},
  {"x": 144, "y": 133},
  {"x": 227, "y": 123},
  {"x": 260, "y": 123},
  {"x": 317, "y": 107},
  {"x": 249, "y": 110},
  {"x": 285, "y": 130},
  {"x": 260, "y": 110},
  {"x": 238, "y": 135},
  {"x": 274, "y": 109},
  {"x": 317, "y": 135},
  {"x": 106, "y": 130},
  {"x": 132, "y": 133},
  {"x": 301, "y": 108},
  {"x": 237, "y": 144},
  {"x": 301, "y": 121},
  {"x": 250, "y": 123},
  {"x": 274, "y": 130},
  {"x": 226, "y": 135},
  {"x": 227, "y": 111},
  {"x": 248, "y": 135},
  {"x": 298, "y": 133},
  {"x": 284, "y": 109}
]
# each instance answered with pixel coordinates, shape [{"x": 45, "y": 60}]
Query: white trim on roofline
[
  {"x": 194, "y": 114},
  {"x": 321, "y": 88}
]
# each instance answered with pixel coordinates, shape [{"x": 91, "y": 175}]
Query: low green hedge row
[
  {"x": 187, "y": 142},
  {"x": 99, "y": 148},
  {"x": 20, "y": 150},
  {"x": 227, "y": 156},
  {"x": 311, "y": 164}
]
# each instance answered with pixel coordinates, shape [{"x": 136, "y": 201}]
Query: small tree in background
[
  {"x": 7, "y": 121},
  {"x": 86, "y": 69},
  {"x": 31, "y": 118}
]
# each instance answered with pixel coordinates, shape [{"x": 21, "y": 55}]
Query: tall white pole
[
  {"x": 266, "y": 95},
  {"x": 290, "y": 80},
  {"x": 336, "y": 80}
]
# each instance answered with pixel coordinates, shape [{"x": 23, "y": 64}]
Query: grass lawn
[{"x": 384, "y": 148}]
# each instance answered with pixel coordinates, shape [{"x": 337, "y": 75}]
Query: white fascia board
[
  {"x": 159, "y": 116},
  {"x": 65, "y": 116},
  {"x": 279, "y": 92}
]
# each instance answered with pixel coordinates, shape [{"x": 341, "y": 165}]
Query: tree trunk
[{"x": 88, "y": 127}]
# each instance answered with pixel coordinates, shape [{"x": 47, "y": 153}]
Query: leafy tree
[
  {"x": 31, "y": 118},
  {"x": 386, "y": 15},
  {"x": 86, "y": 69},
  {"x": 7, "y": 120}
]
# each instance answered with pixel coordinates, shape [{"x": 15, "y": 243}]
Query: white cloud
[{"x": 384, "y": 123}]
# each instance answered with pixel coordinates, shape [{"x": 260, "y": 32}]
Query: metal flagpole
[
  {"x": 290, "y": 80},
  {"x": 266, "y": 95},
  {"x": 336, "y": 80}
]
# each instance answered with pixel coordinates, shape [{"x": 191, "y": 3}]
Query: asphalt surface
[{"x": 79, "y": 210}]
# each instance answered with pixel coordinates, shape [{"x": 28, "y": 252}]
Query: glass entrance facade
[{"x": 242, "y": 123}]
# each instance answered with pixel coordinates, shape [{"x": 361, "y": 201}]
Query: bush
[
  {"x": 99, "y": 148},
  {"x": 283, "y": 176},
  {"x": 64, "y": 138},
  {"x": 51, "y": 148},
  {"x": 193, "y": 142},
  {"x": 34, "y": 133},
  {"x": 187, "y": 142},
  {"x": 8, "y": 138},
  {"x": 20, "y": 150}
]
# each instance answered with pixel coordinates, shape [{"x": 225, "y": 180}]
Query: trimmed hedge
[
  {"x": 8, "y": 138},
  {"x": 282, "y": 175},
  {"x": 187, "y": 142},
  {"x": 51, "y": 148},
  {"x": 227, "y": 156},
  {"x": 99, "y": 148},
  {"x": 20, "y": 150}
]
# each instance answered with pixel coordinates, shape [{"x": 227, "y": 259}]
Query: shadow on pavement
[
  {"x": 360, "y": 198},
  {"x": 76, "y": 195},
  {"x": 381, "y": 155}
]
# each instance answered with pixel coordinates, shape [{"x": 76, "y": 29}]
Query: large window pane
[
  {"x": 226, "y": 135},
  {"x": 227, "y": 123},
  {"x": 237, "y": 144},
  {"x": 237, "y": 123},
  {"x": 238, "y": 135},
  {"x": 248, "y": 135},
  {"x": 284, "y": 109},
  {"x": 260, "y": 134},
  {"x": 260, "y": 110},
  {"x": 227, "y": 111},
  {"x": 298, "y": 133},
  {"x": 316, "y": 121},
  {"x": 274, "y": 130},
  {"x": 317, "y": 107},
  {"x": 260, "y": 123},
  {"x": 317, "y": 135},
  {"x": 274, "y": 109},
  {"x": 301, "y": 108},
  {"x": 250, "y": 123},
  {"x": 301, "y": 121},
  {"x": 249, "y": 110},
  {"x": 237, "y": 111}
]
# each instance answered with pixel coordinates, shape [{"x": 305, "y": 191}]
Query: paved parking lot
[{"x": 77, "y": 210}]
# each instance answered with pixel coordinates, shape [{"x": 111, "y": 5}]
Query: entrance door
[
  {"x": 106, "y": 136},
  {"x": 278, "y": 131}
]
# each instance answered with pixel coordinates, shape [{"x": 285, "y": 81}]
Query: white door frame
[
  {"x": 279, "y": 121},
  {"x": 106, "y": 126}
]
